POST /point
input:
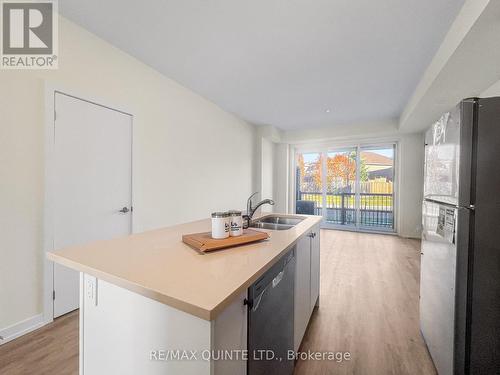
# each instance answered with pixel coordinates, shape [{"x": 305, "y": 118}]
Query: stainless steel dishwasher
[{"x": 270, "y": 319}]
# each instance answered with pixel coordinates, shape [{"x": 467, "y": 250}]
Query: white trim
[
  {"x": 395, "y": 190},
  {"x": 81, "y": 327},
  {"x": 21, "y": 328},
  {"x": 324, "y": 183},
  {"x": 50, "y": 89},
  {"x": 357, "y": 189},
  {"x": 48, "y": 224},
  {"x": 344, "y": 143},
  {"x": 292, "y": 154}
]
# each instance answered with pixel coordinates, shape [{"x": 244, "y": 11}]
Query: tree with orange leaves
[
  {"x": 340, "y": 168},
  {"x": 301, "y": 165}
]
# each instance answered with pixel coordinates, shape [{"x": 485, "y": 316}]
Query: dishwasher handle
[
  {"x": 278, "y": 278},
  {"x": 254, "y": 304},
  {"x": 254, "y": 300}
]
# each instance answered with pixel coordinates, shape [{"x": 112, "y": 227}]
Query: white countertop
[{"x": 158, "y": 265}]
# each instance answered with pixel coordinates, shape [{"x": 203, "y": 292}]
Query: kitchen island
[{"x": 150, "y": 304}]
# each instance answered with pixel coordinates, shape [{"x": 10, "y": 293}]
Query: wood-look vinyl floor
[
  {"x": 50, "y": 350},
  {"x": 368, "y": 307}
]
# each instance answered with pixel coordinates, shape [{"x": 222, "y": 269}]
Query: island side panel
[
  {"x": 80, "y": 325},
  {"x": 122, "y": 331},
  {"x": 229, "y": 331}
]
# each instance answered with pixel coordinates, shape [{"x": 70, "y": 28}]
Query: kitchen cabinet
[
  {"x": 306, "y": 282},
  {"x": 302, "y": 289},
  {"x": 137, "y": 318}
]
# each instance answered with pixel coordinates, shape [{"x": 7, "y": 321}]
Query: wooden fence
[{"x": 376, "y": 186}]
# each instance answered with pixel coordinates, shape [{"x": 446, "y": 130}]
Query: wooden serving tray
[{"x": 204, "y": 241}]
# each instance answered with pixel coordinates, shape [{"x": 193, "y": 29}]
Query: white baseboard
[
  {"x": 21, "y": 328},
  {"x": 411, "y": 236}
]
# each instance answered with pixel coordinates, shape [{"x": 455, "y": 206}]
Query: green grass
[{"x": 349, "y": 201}]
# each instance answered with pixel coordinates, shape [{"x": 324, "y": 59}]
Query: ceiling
[{"x": 293, "y": 64}]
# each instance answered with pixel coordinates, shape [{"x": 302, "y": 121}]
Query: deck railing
[{"x": 376, "y": 209}]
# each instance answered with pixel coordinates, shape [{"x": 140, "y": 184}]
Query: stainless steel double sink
[{"x": 274, "y": 222}]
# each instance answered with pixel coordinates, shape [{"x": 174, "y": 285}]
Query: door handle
[{"x": 124, "y": 210}]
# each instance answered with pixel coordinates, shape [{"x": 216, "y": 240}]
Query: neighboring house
[{"x": 377, "y": 166}]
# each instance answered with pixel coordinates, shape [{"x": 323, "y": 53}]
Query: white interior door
[{"x": 92, "y": 183}]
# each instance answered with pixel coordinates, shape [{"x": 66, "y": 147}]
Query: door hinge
[
  {"x": 55, "y": 115},
  {"x": 53, "y": 295}
]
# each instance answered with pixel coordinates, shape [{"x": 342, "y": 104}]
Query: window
[{"x": 351, "y": 187}]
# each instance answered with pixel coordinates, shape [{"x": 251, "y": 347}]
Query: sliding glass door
[
  {"x": 376, "y": 187},
  {"x": 351, "y": 187},
  {"x": 309, "y": 184},
  {"x": 340, "y": 186}
]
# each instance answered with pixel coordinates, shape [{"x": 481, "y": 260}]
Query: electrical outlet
[{"x": 91, "y": 289}]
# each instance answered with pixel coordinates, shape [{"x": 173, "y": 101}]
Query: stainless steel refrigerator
[{"x": 460, "y": 264}]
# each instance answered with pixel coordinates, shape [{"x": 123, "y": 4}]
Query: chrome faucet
[{"x": 251, "y": 210}]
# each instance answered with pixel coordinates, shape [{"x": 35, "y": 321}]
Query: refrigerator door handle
[{"x": 471, "y": 207}]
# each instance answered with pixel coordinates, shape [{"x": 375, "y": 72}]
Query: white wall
[
  {"x": 411, "y": 162},
  {"x": 267, "y": 173},
  {"x": 341, "y": 132},
  {"x": 493, "y": 90},
  {"x": 274, "y": 164},
  {"x": 281, "y": 177},
  {"x": 190, "y": 157}
]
